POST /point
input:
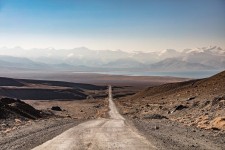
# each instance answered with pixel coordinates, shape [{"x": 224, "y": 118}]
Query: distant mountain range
[{"x": 84, "y": 59}]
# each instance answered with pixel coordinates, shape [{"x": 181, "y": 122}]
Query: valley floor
[{"x": 162, "y": 134}]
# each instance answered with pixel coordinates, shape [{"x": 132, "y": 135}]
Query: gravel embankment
[
  {"x": 166, "y": 134},
  {"x": 35, "y": 133}
]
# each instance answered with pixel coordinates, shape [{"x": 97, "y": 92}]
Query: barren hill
[{"x": 196, "y": 102}]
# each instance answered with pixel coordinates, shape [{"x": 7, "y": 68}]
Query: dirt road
[{"x": 100, "y": 134}]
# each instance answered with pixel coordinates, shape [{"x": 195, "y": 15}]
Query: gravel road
[{"x": 112, "y": 133}]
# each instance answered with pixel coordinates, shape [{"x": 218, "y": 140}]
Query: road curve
[{"x": 100, "y": 134}]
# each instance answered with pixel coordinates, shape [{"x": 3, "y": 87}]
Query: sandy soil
[{"x": 85, "y": 109}]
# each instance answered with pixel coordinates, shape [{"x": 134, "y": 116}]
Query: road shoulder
[{"x": 36, "y": 132}]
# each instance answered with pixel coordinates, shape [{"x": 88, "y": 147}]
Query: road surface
[{"x": 100, "y": 134}]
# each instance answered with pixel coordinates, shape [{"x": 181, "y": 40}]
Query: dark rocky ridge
[
  {"x": 15, "y": 108},
  {"x": 47, "y": 90}
]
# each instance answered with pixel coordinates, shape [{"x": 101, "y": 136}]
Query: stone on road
[{"x": 100, "y": 134}]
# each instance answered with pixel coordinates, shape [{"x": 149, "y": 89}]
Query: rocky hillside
[
  {"x": 15, "y": 108},
  {"x": 198, "y": 103}
]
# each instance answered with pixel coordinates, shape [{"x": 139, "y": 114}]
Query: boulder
[{"x": 56, "y": 108}]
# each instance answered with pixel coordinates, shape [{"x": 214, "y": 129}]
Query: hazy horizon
[{"x": 119, "y": 49}]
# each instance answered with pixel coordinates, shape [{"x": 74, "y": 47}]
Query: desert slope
[{"x": 198, "y": 103}]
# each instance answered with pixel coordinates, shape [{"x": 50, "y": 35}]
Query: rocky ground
[
  {"x": 85, "y": 109},
  {"x": 199, "y": 103},
  {"x": 29, "y": 134},
  {"x": 184, "y": 115},
  {"x": 19, "y": 132},
  {"x": 166, "y": 134}
]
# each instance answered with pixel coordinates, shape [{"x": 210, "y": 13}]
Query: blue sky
[{"x": 112, "y": 24}]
